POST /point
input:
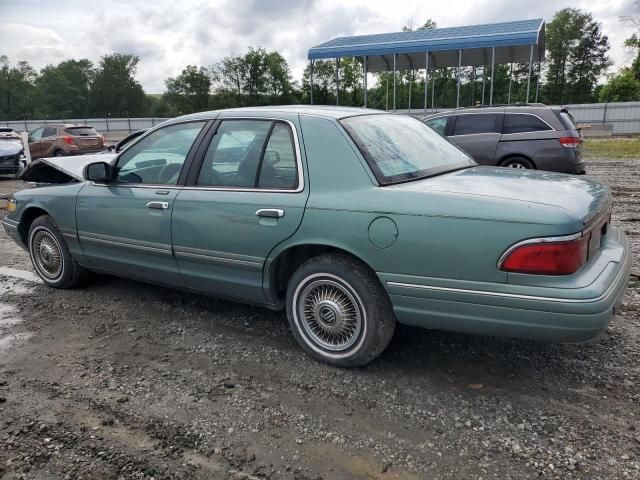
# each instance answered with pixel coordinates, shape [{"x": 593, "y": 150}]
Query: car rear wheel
[
  {"x": 518, "y": 162},
  {"x": 58, "y": 153},
  {"x": 338, "y": 311},
  {"x": 50, "y": 255}
]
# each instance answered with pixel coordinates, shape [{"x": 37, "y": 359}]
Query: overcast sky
[{"x": 169, "y": 34}]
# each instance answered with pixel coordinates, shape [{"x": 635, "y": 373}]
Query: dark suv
[{"x": 516, "y": 136}]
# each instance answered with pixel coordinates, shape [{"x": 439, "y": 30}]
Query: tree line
[{"x": 575, "y": 63}]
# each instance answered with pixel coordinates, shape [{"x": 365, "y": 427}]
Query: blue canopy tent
[{"x": 473, "y": 45}]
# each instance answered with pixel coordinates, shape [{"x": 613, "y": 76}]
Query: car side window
[
  {"x": 234, "y": 154},
  {"x": 438, "y": 124},
  {"x": 476, "y": 123},
  {"x": 523, "y": 123},
  {"x": 36, "y": 134},
  {"x": 49, "y": 132},
  {"x": 158, "y": 158},
  {"x": 278, "y": 169}
]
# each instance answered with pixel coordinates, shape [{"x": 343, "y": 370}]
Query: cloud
[{"x": 167, "y": 35}]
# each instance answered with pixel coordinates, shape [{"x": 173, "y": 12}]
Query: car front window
[{"x": 400, "y": 148}]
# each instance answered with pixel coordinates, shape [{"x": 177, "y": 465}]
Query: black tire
[
  {"x": 518, "y": 162},
  {"x": 47, "y": 248},
  {"x": 352, "y": 296},
  {"x": 59, "y": 153}
]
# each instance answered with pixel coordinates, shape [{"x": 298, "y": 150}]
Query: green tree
[
  {"x": 114, "y": 89},
  {"x": 230, "y": 74},
  {"x": 622, "y": 87},
  {"x": 17, "y": 89},
  {"x": 189, "y": 91},
  {"x": 324, "y": 82},
  {"x": 576, "y": 56},
  {"x": 63, "y": 89},
  {"x": 255, "y": 73},
  {"x": 278, "y": 81}
]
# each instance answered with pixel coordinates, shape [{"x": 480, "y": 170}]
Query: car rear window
[
  {"x": 81, "y": 131},
  {"x": 475, "y": 123},
  {"x": 399, "y": 148},
  {"x": 523, "y": 123},
  {"x": 567, "y": 120}
]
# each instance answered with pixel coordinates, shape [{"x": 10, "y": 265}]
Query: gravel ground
[{"x": 125, "y": 380}]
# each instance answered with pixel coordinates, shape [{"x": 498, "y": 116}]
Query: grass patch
[{"x": 611, "y": 148}]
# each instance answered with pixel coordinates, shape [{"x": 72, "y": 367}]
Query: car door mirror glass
[{"x": 98, "y": 172}]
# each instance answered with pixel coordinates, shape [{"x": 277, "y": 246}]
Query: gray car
[{"x": 517, "y": 136}]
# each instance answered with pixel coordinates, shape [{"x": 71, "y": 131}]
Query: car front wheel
[
  {"x": 338, "y": 311},
  {"x": 50, "y": 255}
]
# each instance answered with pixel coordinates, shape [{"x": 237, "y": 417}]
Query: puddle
[{"x": 9, "y": 341}]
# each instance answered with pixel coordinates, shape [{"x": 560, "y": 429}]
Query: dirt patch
[{"x": 126, "y": 380}]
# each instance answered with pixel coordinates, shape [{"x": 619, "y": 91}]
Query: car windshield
[{"x": 400, "y": 148}]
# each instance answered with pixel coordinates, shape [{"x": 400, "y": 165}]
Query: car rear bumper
[{"x": 566, "y": 314}]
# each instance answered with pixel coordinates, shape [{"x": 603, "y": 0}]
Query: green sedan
[{"x": 349, "y": 219}]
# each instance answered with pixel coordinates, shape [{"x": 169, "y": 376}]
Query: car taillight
[
  {"x": 548, "y": 257},
  {"x": 68, "y": 139},
  {"x": 570, "y": 142}
]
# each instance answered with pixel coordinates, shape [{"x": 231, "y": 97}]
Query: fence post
[
  {"x": 26, "y": 129},
  {"x": 129, "y": 123},
  {"x": 604, "y": 112},
  {"x": 106, "y": 121},
  {"x": 153, "y": 122}
]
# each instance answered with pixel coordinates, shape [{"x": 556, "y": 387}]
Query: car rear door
[
  {"x": 245, "y": 196},
  {"x": 48, "y": 142},
  {"x": 477, "y": 134},
  {"x": 124, "y": 226}
]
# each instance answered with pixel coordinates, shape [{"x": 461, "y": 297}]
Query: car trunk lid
[{"x": 584, "y": 199}]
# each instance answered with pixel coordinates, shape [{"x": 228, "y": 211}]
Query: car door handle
[
  {"x": 270, "y": 212},
  {"x": 158, "y": 205}
]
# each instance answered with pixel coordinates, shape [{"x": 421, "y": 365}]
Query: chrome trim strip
[
  {"x": 121, "y": 242},
  {"x": 10, "y": 223},
  {"x": 212, "y": 258},
  {"x": 214, "y": 253},
  {"x": 450, "y": 113},
  {"x": 6, "y": 224},
  {"x": 565, "y": 238},
  {"x": 485, "y": 293}
]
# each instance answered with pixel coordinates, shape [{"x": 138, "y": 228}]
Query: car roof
[{"x": 313, "y": 110}]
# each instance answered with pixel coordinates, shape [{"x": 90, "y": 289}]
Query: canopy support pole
[
  {"x": 365, "y": 81},
  {"x": 493, "y": 67},
  {"x": 458, "y": 86},
  {"x": 337, "y": 81},
  {"x": 510, "y": 80},
  {"x": 529, "y": 76},
  {"x": 411, "y": 78},
  {"x": 538, "y": 82},
  {"x": 433, "y": 90},
  {"x": 394, "y": 81},
  {"x": 311, "y": 95},
  {"x": 384, "y": 59},
  {"x": 484, "y": 76},
  {"x": 426, "y": 80}
]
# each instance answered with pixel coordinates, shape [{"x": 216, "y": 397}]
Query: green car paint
[{"x": 434, "y": 243}]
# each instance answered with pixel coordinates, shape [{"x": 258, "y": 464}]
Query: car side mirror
[
  {"x": 99, "y": 172},
  {"x": 111, "y": 148}
]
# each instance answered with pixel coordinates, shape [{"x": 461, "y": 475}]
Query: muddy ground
[{"x": 125, "y": 380}]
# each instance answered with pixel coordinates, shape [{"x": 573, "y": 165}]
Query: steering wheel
[{"x": 168, "y": 172}]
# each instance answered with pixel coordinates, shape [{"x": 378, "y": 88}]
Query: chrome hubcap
[
  {"x": 516, "y": 165},
  {"x": 47, "y": 254},
  {"x": 330, "y": 314}
]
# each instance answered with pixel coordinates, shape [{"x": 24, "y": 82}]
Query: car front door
[
  {"x": 34, "y": 142},
  {"x": 477, "y": 134},
  {"x": 245, "y": 197},
  {"x": 125, "y": 225}
]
